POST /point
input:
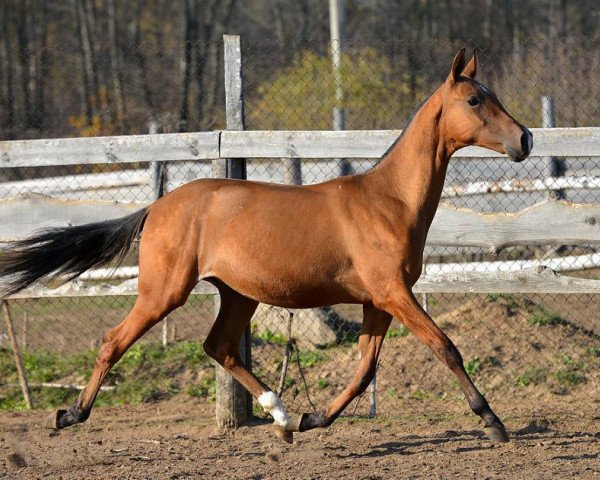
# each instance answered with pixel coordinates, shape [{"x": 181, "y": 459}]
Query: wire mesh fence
[{"x": 517, "y": 347}]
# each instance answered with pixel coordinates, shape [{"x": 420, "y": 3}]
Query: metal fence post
[
  {"x": 234, "y": 404},
  {"x": 337, "y": 20},
  {"x": 556, "y": 165}
]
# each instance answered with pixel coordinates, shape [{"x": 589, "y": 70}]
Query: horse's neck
[{"x": 415, "y": 168}]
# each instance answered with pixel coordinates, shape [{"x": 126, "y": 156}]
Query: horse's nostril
[{"x": 526, "y": 141}]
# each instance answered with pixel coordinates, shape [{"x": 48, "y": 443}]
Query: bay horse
[{"x": 356, "y": 239}]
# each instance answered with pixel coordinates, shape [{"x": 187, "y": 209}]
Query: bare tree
[
  {"x": 115, "y": 64},
  {"x": 8, "y": 69}
]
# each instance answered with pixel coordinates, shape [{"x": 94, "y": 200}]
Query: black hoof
[
  {"x": 313, "y": 420},
  {"x": 52, "y": 420},
  {"x": 65, "y": 418},
  {"x": 497, "y": 434}
]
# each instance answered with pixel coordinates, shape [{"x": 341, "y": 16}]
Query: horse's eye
[{"x": 473, "y": 101}]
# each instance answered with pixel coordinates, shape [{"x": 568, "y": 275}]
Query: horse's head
[{"x": 473, "y": 115}]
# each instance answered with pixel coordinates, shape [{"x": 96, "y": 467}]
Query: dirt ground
[{"x": 177, "y": 439}]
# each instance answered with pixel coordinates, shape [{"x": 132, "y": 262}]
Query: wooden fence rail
[{"x": 175, "y": 147}]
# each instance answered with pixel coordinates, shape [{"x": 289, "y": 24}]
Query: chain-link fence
[{"x": 525, "y": 348}]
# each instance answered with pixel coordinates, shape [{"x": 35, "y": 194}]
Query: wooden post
[
  {"x": 234, "y": 404},
  {"x": 165, "y": 332},
  {"x": 556, "y": 166},
  {"x": 373, "y": 397},
  {"x": 17, "y": 355}
]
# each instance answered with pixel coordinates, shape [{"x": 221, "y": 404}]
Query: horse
[{"x": 355, "y": 239}]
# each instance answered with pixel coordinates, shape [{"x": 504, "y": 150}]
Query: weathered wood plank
[
  {"x": 259, "y": 144},
  {"x": 23, "y": 216},
  {"x": 122, "y": 149},
  {"x": 559, "y": 264},
  {"x": 535, "y": 280},
  {"x": 518, "y": 185},
  {"x": 571, "y": 224},
  {"x": 548, "y": 223},
  {"x": 374, "y": 143},
  {"x": 77, "y": 288},
  {"x": 74, "y": 183}
]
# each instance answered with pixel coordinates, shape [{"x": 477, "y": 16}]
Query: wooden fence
[{"x": 550, "y": 223}]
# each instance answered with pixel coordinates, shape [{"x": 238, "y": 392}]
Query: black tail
[{"x": 67, "y": 250}]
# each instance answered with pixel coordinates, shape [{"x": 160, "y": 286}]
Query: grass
[
  {"x": 393, "y": 332},
  {"x": 268, "y": 336},
  {"x": 477, "y": 365},
  {"x": 542, "y": 317},
  {"x": 571, "y": 373},
  {"x": 532, "y": 375},
  {"x": 307, "y": 358},
  {"x": 206, "y": 388},
  {"x": 322, "y": 384},
  {"x": 147, "y": 372}
]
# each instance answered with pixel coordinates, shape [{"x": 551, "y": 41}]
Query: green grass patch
[
  {"x": 270, "y": 337},
  {"x": 393, "y": 332},
  {"x": 572, "y": 372},
  {"x": 532, "y": 375},
  {"x": 207, "y": 388},
  {"x": 542, "y": 317},
  {"x": 147, "y": 372},
  {"x": 473, "y": 366},
  {"x": 308, "y": 358},
  {"x": 322, "y": 384},
  {"x": 477, "y": 365}
]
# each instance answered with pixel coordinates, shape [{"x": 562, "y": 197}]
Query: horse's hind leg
[
  {"x": 165, "y": 283},
  {"x": 375, "y": 325},
  {"x": 223, "y": 343},
  {"x": 115, "y": 343}
]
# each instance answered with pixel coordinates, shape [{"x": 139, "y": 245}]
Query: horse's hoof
[
  {"x": 293, "y": 425},
  {"x": 497, "y": 434},
  {"x": 283, "y": 434},
  {"x": 52, "y": 419}
]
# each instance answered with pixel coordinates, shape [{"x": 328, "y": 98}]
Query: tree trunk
[
  {"x": 8, "y": 67},
  {"x": 140, "y": 57},
  {"x": 190, "y": 34},
  {"x": 217, "y": 16},
  {"x": 23, "y": 48},
  {"x": 42, "y": 72},
  {"x": 87, "y": 90},
  {"x": 115, "y": 69}
]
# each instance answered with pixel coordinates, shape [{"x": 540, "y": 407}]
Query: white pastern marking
[{"x": 273, "y": 406}]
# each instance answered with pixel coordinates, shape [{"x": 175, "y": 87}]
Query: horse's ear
[
  {"x": 457, "y": 66},
  {"x": 471, "y": 68}
]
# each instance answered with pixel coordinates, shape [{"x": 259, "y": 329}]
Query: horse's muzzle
[{"x": 520, "y": 154}]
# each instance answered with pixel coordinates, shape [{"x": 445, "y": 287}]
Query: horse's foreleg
[
  {"x": 222, "y": 344},
  {"x": 403, "y": 305},
  {"x": 375, "y": 325}
]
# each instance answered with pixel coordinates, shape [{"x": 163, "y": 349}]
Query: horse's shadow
[{"x": 412, "y": 444}]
